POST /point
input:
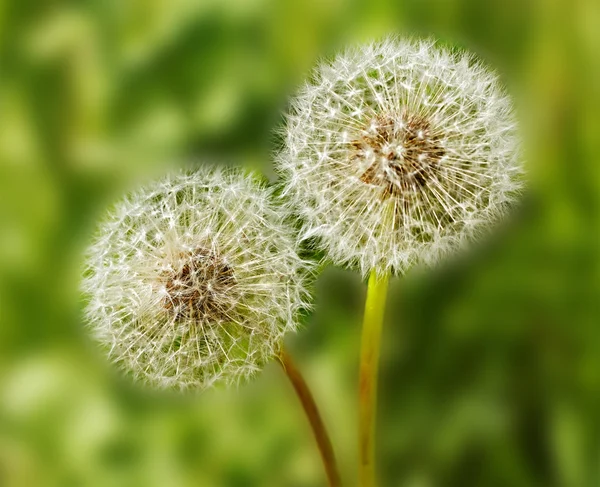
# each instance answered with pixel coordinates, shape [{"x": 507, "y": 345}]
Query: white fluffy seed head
[
  {"x": 194, "y": 280},
  {"x": 398, "y": 152}
]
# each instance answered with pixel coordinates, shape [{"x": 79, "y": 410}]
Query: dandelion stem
[
  {"x": 369, "y": 364},
  {"x": 312, "y": 413}
]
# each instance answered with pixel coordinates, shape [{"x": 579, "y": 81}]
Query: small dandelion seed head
[
  {"x": 422, "y": 155},
  {"x": 194, "y": 280}
]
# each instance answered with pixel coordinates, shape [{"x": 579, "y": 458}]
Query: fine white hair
[
  {"x": 194, "y": 280},
  {"x": 398, "y": 152}
]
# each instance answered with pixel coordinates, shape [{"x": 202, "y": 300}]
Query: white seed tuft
[
  {"x": 398, "y": 152},
  {"x": 194, "y": 280}
]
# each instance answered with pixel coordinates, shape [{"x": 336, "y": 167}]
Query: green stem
[
  {"x": 369, "y": 365},
  {"x": 314, "y": 418}
]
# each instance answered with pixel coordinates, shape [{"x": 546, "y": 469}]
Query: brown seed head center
[
  {"x": 397, "y": 152},
  {"x": 201, "y": 287}
]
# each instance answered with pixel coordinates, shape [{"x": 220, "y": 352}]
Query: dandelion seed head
[
  {"x": 421, "y": 156},
  {"x": 194, "y": 280}
]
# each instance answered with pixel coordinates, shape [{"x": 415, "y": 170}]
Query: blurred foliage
[{"x": 491, "y": 366}]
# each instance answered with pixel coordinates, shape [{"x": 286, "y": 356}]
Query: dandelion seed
[
  {"x": 421, "y": 156},
  {"x": 194, "y": 280}
]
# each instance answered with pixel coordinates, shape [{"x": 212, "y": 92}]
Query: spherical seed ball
[
  {"x": 397, "y": 152},
  {"x": 194, "y": 280}
]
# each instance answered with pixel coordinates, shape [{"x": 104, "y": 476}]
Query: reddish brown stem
[{"x": 312, "y": 413}]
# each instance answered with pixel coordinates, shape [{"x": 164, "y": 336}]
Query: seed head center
[
  {"x": 398, "y": 152},
  {"x": 201, "y": 286}
]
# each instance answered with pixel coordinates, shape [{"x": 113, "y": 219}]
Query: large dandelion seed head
[
  {"x": 398, "y": 152},
  {"x": 194, "y": 280}
]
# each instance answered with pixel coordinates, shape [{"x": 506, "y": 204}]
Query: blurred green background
[{"x": 491, "y": 364}]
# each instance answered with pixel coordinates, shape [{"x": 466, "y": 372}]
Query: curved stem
[
  {"x": 312, "y": 413},
  {"x": 369, "y": 366}
]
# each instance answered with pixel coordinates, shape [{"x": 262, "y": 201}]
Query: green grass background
[{"x": 491, "y": 362}]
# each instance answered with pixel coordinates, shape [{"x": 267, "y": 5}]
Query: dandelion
[
  {"x": 194, "y": 280},
  {"x": 397, "y": 153}
]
